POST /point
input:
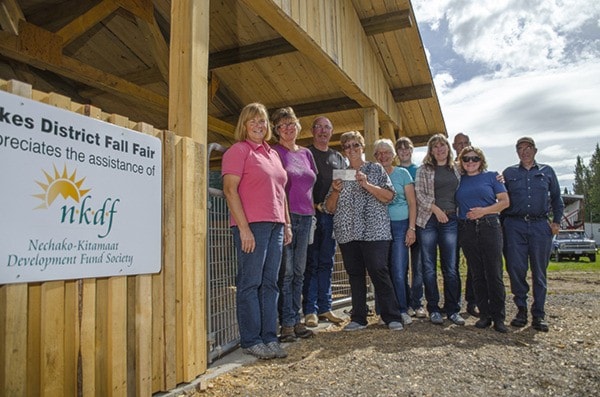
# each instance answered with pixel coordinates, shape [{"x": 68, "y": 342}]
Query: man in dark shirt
[
  {"x": 319, "y": 264},
  {"x": 534, "y": 191}
]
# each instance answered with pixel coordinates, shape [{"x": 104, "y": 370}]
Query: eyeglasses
[
  {"x": 322, "y": 127},
  {"x": 255, "y": 122},
  {"x": 286, "y": 125},
  {"x": 471, "y": 159},
  {"x": 349, "y": 146},
  {"x": 384, "y": 152}
]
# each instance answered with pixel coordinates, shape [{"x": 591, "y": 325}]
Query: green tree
[{"x": 587, "y": 183}]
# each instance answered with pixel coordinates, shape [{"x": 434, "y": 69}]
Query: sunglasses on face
[
  {"x": 349, "y": 146},
  {"x": 471, "y": 159}
]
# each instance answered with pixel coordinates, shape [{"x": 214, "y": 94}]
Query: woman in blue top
[
  {"x": 480, "y": 198},
  {"x": 403, "y": 215}
]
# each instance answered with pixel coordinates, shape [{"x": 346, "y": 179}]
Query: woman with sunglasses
[
  {"x": 361, "y": 224},
  {"x": 480, "y": 198}
]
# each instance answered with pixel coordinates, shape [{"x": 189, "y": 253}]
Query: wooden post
[
  {"x": 188, "y": 117},
  {"x": 371, "y": 131}
]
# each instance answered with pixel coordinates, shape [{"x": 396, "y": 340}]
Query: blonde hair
[
  {"x": 352, "y": 136},
  {"x": 249, "y": 112}
]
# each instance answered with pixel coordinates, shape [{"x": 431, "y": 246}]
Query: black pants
[
  {"x": 481, "y": 242},
  {"x": 372, "y": 256}
]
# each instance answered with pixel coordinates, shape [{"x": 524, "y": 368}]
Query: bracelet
[
  {"x": 288, "y": 225},
  {"x": 412, "y": 228}
]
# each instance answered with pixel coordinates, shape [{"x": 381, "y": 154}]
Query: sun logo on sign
[{"x": 60, "y": 185}]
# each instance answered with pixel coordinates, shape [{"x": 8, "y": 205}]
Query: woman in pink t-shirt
[{"x": 254, "y": 186}]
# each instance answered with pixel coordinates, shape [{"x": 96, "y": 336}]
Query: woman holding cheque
[
  {"x": 362, "y": 228},
  {"x": 480, "y": 198}
]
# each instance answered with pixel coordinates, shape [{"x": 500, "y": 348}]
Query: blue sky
[{"x": 512, "y": 68}]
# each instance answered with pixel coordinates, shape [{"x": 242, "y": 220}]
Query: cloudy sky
[{"x": 512, "y": 68}]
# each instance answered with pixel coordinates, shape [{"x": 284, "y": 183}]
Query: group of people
[{"x": 291, "y": 205}]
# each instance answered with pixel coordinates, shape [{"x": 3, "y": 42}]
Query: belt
[
  {"x": 449, "y": 212},
  {"x": 529, "y": 218},
  {"x": 488, "y": 216}
]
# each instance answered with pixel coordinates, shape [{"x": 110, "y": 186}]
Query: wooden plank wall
[{"x": 115, "y": 336}]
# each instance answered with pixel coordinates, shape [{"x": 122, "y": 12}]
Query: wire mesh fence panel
[{"x": 222, "y": 266}]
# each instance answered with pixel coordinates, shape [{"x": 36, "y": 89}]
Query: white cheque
[{"x": 345, "y": 175}]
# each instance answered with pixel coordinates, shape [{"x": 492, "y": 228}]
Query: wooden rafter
[
  {"x": 423, "y": 91},
  {"x": 250, "y": 52},
  {"x": 86, "y": 21},
  {"x": 387, "y": 22},
  {"x": 10, "y": 15}
]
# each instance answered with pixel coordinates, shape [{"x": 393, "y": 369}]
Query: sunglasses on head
[
  {"x": 354, "y": 145},
  {"x": 472, "y": 159}
]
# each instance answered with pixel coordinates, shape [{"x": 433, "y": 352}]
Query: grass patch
[{"x": 583, "y": 265}]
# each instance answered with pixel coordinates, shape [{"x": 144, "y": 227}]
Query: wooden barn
[{"x": 181, "y": 71}]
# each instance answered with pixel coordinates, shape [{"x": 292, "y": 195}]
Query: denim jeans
[
  {"x": 256, "y": 282},
  {"x": 372, "y": 256},
  {"x": 399, "y": 263},
  {"x": 443, "y": 235},
  {"x": 528, "y": 244},
  {"x": 291, "y": 275},
  {"x": 481, "y": 242},
  {"x": 416, "y": 270},
  {"x": 319, "y": 267}
]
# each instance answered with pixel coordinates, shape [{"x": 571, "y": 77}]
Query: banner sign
[{"x": 79, "y": 198}]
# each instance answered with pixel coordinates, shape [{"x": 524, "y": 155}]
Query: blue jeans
[
  {"x": 372, "y": 256},
  {"x": 291, "y": 275},
  {"x": 319, "y": 267},
  {"x": 399, "y": 263},
  {"x": 481, "y": 242},
  {"x": 444, "y": 236},
  {"x": 528, "y": 244},
  {"x": 416, "y": 269},
  {"x": 256, "y": 282}
]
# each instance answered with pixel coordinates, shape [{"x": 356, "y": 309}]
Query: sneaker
[
  {"x": 540, "y": 324},
  {"x": 420, "y": 313},
  {"x": 457, "y": 319},
  {"x": 520, "y": 319},
  {"x": 354, "y": 326},
  {"x": 406, "y": 320},
  {"x": 276, "y": 349},
  {"x": 380, "y": 321},
  {"x": 436, "y": 318},
  {"x": 395, "y": 326},
  {"x": 311, "y": 320},
  {"x": 331, "y": 317},
  {"x": 261, "y": 351},
  {"x": 411, "y": 312},
  {"x": 287, "y": 335},
  {"x": 301, "y": 331}
]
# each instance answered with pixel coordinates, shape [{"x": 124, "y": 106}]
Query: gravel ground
[{"x": 433, "y": 360}]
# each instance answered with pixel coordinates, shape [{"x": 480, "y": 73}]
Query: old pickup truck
[{"x": 573, "y": 244}]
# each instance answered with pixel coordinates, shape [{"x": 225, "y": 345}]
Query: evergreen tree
[{"x": 587, "y": 183}]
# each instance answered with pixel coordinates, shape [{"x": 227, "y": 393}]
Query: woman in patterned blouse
[{"x": 361, "y": 224}]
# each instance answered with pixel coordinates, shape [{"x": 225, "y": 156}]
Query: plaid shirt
[{"x": 424, "y": 188}]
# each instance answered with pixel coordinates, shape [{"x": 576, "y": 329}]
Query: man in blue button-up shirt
[{"x": 534, "y": 192}]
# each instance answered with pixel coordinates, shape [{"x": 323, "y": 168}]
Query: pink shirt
[{"x": 262, "y": 180}]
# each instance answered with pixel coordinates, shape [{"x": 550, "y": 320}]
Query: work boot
[{"x": 520, "y": 319}]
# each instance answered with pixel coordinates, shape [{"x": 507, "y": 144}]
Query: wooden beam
[
  {"x": 387, "y": 22},
  {"x": 423, "y": 91},
  {"x": 86, "y": 21},
  {"x": 41, "y": 49},
  {"x": 326, "y": 106},
  {"x": 157, "y": 44},
  {"x": 250, "y": 52},
  {"x": 10, "y": 15},
  {"x": 373, "y": 25}
]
